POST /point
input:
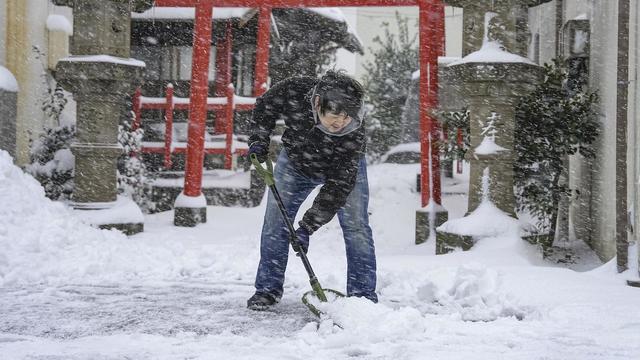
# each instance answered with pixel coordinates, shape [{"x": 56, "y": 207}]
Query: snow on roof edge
[
  {"x": 188, "y": 13},
  {"x": 492, "y": 52}
]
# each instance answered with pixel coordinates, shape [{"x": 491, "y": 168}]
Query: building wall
[
  {"x": 24, "y": 23},
  {"x": 634, "y": 116},
  {"x": 542, "y": 47},
  {"x": 603, "y": 78},
  {"x": 577, "y": 8},
  {"x": 593, "y": 215},
  {"x": 25, "y": 29},
  {"x": 3, "y": 32}
]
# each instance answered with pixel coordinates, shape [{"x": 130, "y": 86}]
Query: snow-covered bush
[
  {"x": 387, "y": 81},
  {"x": 52, "y": 162},
  {"x": 133, "y": 178},
  {"x": 553, "y": 122}
]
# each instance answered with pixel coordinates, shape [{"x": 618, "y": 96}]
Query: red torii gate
[{"x": 431, "y": 34}]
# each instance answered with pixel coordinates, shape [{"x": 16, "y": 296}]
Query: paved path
[{"x": 73, "y": 311}]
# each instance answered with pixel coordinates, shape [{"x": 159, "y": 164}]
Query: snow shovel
[{"x": 318, "y": 292}]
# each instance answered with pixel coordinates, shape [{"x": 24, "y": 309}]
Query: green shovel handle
[{"x": 266, "y": 172}]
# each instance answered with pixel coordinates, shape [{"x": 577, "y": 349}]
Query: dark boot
[{"x": 261, "y": 301}]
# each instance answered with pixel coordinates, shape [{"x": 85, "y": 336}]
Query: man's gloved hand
[
  {"x": 303, "y": 238},
  {"x": 260, "y": 149}
]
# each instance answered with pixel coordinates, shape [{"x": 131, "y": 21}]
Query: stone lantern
[
  {"x": 494, "y": 75},
  {"x": 101, "y": 75},
  {"x": 514, "y": 18}
]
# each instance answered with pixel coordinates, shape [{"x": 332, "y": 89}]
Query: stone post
[
  {"x": 493, "y": 79},
  {"x": 8, "y": 111},
  {"x": 101, "y": 75},
  {"x": 513, "y": 16},
  {"x": 493, "y": 91}
]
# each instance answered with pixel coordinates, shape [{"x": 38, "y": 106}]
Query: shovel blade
[{"x": 311, "y": 300}]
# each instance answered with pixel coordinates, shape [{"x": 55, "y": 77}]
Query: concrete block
[
  {"x": 424, "y": 225},
  {"x": 189, "y": 217},
  {"x": 448, "y": 242}
]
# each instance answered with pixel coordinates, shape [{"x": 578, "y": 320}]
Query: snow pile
[
  {"x": 485, "y": 221},
  {"x": 59, "y": 23},
  {"x": 105, "y": 59},
  {"x": 8, "y": 82},
  {"x": 488, "y": 146},
  {"x": 123, "y": 211},
  {"x": 466, "y": 293},
  {"x": 470, "y": 292},
  {"x": 44, "y": 242},
  {"x": 473, "y": 294},
  {"x": 363, "y": 321},
  {"x": 492, "y": 52}
]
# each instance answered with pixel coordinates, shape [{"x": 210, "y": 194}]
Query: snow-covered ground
[{"x": 68, "y": 291}]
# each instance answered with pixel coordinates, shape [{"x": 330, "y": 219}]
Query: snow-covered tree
[
  {"x": 52, "y": 162},
  {"x": 552, "y": 123},
  {"x": 387, "y": 83}
]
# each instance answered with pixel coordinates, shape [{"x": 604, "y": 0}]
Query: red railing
[{"x": 225, "y": 106}]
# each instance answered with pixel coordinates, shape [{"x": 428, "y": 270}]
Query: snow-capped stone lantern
[
  {"x": 492, "y": 79},
  {"x": 101, "y": 75}
]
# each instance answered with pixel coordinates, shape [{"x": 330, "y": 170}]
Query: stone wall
[{"x": 8, "y": 109}]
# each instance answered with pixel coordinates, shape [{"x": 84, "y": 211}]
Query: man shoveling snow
[{"x": 324, "y": 144}]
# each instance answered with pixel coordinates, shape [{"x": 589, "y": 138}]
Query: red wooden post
[
  {"x": 137, "y": 97},
  {"x": 229, "y": 127},
  {"x": 262, "y": 52},
  {"x": 431, "y": 14},
  {"x": 168, "y": 127},
  {"x": 223, "y": 72},
  {"x": 198, "y": 100}
]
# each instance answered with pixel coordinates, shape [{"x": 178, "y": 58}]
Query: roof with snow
[{"x": 328, "y": 19}]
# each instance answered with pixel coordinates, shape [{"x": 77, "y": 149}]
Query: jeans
[{"x": 294, "y": 187}]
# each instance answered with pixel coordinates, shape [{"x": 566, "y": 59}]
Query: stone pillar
[
  {"x": 512, "y": 14},
  {"x": 492, "y": 82},
  {"x": 8, "y": 111},
  {"x": 100, "y": 75},
  {"x": 493, "y": 91}
]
